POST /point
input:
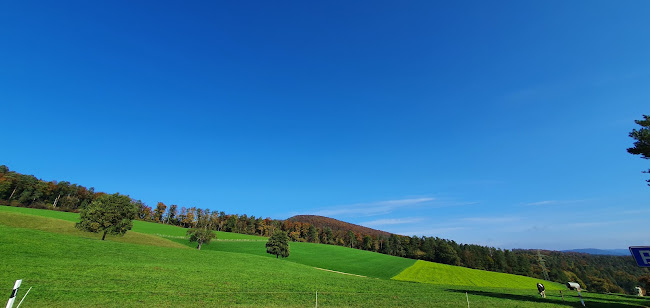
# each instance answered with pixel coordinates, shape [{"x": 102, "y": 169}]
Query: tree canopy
[
  {"x": 201, "y": 236},
  {"x": 110, "y": 214},
  {"x": 278, "y": 244},
  {"x": 642, "y": 137}
]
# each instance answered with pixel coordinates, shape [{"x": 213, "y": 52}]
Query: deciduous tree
[
  {"x": 201, "y": 236},
  {"x": 159, "y": 212},
  {"x": 110, "y": 214}
]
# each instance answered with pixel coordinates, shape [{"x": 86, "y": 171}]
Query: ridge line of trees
[{"x": 597, "y": 273}]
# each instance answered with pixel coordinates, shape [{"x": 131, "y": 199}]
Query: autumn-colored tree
[
  {"x": 159, "y": 212},
  {"x": 190, "y": 217}
]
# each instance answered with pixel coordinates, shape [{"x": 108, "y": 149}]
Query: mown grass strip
[{"x": 436, "y": 273}]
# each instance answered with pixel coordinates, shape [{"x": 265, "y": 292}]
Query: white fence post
[{"x": 12, "y": 298}]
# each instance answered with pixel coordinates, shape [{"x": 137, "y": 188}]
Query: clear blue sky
[{"x": 501, "y": 123}]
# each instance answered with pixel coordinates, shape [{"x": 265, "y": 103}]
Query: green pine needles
[{"x": 642, "y": 137}]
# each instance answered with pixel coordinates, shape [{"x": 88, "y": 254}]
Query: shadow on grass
[{"x": 572, "y": 301}]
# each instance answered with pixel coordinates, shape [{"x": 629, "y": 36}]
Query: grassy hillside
[
  {"x": 330, "y": 257},
  {"x": 68, "y": 269},
  {"x": 138, "y": 226},
  {"x": 435, "y": 273},
  {"x": 66, "y": 227}
]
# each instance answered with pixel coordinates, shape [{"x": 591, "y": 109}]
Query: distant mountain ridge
[
  {"x": 606, "y": 252},
  {"x": 337, "y": 225}
]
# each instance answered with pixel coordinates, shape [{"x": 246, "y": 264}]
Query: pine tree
[
  {"x": 278, "y": 244},
  {"x": 642, "y": 137}
]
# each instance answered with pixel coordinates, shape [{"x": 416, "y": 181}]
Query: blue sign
[{"x": 641, "y": 254}]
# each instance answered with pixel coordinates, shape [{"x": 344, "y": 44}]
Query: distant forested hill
[
  {"x": 605, "y": 252},
  {"x": 322, "y": 222}
]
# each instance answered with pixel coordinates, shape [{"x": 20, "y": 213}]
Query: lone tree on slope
[
  {"x": 278, "y": 244},
  {"x": 201, "y": 236},
  {"x": 642, "y": 137},
  {"x": 110, "y": 214}
]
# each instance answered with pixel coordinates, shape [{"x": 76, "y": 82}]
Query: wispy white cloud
[
  {"x": 553, "y": 202},
  {"x": 597, "y": 223},
  {"x": 546, "y": 202},
  {"x": 490, "y": 220},
  {"x": 440, "y": 232},
  {"x": 391, "y": 221},
  {"x": 372, "y": 208}
]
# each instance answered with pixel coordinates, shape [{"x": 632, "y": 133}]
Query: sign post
[
  {"x": 641, "y": 254},
  {"x": 12, "y": 297}
]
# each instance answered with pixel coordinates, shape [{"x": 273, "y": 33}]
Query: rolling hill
[
  {"x": 68, "y": 268},
  {"x": 336, "y": 225},
  {"x": 605, "y": 252}
]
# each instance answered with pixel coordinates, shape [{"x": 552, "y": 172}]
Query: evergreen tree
[
  {"x": 312, "y": 234},
  {"x": 642, "y": 137},
  {"x": 278, "y": 244}
]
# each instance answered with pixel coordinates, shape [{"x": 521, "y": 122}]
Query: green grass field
[
  {"x": 329, "y": 257},
  {"x": 436, "y": 273},
  {"x": 69, "y": 268},
  {"x": 138, "y": 226}
]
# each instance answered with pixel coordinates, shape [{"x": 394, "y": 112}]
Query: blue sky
[{"x": 498, "y": 123}]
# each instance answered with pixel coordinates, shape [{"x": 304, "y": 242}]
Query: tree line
[{"x": 598, "y": 273}]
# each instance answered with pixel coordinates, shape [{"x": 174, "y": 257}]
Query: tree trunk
[
  {"x": 276, "y": 256},
  {"x": 57, "y": 200},
  {"x": 199, "y": 248},
  {"x": 104, "y": 236},
  {"x": 13, "y": 192}
]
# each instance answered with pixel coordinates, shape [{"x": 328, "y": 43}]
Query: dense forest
[
  {"x": 617, "y": 274},
  {"x": 337, "y": 225}
]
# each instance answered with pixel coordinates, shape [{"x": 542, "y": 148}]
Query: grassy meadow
[
  {"x": 436, "y": 273},
  {"x": 70, "y": 268},
  {"x": 337, "y": 258}
]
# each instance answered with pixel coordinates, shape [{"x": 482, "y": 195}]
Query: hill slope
[
  {"x": 436, "y": 273},
  {"x": 605, "y": 252},
  {"x": 68, "y": 270},
  {"x": 336, "y": 225}
]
